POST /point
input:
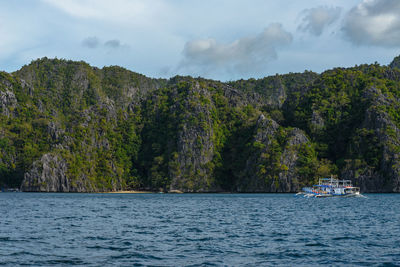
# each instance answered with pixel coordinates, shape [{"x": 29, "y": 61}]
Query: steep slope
[
  {"x": 395, "y": 63},
  {"x": 68, "y": 127},
  {"x": 70, "y": 120},
  {"x": 352, "y": 116}
]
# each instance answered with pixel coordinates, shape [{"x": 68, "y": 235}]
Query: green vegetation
[{"x": 116, "y": 129}]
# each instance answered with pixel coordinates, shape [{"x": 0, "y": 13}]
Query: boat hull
[
  {"x": 330, "y": 187},
  {"x": 326, "y": 195}
]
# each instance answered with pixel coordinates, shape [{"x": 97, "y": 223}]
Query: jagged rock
[
  {"x": 278, "y": 94},
  {"x": 7, "y": 101},
  {"x": 317, "y": 121},
  {"x": 195, "y": 146},
  {"x": 297, "y": 137},
  {"x": 252, "y": 179},
  {"x": 108, "y": 129},
  {"x": 387, "y": 179},
  {"x": 109, "y": 106},
  {"x": 395, "y": 63},
  {"x": 266, "y": 129},
  {"x": 287, "y": 181},
  {"x": 55, "y": 131},
  {"x": 234, "y": 96},
  {"x": 49, "y": 174}
]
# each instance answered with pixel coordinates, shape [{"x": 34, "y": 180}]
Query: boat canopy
[{"x": 334, "y": 182}]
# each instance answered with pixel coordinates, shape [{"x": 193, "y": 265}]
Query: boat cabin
[{"x": 332, "y": 187}]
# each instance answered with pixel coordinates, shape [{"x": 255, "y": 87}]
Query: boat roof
[{"x": 334, "y": 180}]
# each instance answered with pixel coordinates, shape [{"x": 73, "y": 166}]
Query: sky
[{"x": 217, "y": 39}]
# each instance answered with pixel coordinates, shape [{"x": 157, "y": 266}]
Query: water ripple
[{"x": 198, "y": 230}]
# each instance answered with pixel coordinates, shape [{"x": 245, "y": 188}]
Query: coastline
[
  {"x": 142, "y": 192},
  {"x": 128, "y": 192}
]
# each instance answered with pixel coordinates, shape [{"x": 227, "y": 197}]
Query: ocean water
[{"x": 198, "y": 230}]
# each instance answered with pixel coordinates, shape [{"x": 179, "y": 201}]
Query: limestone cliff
[
  {"x": 395, "y": 63},
  {"x": 195, "y": 147},
  {"x": 49, "y": 174},
  {"x": 272, "y": 164},
  {"x": 386, "y": 176},
  {"x": 66, "y": 126}
]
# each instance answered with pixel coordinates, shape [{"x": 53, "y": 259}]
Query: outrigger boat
[{"x": 331, "y": 187}]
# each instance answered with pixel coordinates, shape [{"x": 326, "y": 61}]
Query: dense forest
[{"x": 68, "y": 127}]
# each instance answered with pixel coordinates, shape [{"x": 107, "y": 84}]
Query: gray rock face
[
  {"x": 92, "y": 131},
  {"x": 395, "y": 63},
  {"x": 49, "y": 174},
  {"x": 235, "y": 97},
  {"x": 266, "y": 129},
  {"x": 258, "y": 179},
  {"x": 297, "y": 137},
  {"x": 7, "y": 101},
  {"x": 389, "y": 135},
  {"x": 387, "y": 179},
  {"x": 195, "y": 148},
  {"x": 317, "y": 122},
  {"x": 287, "y": 179},
  {"x": 55, "y": 131}
]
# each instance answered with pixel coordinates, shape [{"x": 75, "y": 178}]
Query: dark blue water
[{"x": 198, "y": 230}]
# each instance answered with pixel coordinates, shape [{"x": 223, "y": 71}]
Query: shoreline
[
  {"x": 143, "y": 192},
  {"x": 128, "y": 192},
  {"x": 200, "y": 193}
]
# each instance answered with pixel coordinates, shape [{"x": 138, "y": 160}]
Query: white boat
[{"x": 331, "y": 187}]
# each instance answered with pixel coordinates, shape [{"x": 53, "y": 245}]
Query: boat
[
  {"x": 331, "y": 187},
  {"x": 14, "y": 190}
]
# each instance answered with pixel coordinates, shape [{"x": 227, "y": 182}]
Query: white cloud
[
  {"x": 153, "y": 34},
  {"x": 126, "y": 11},
  {"x": 374, "y": 22},
  {"x": 242, "y": 56},
  {"x": 315, "y": 20}
]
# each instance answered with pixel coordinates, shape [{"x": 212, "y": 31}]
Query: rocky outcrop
[
  {"x": 8, "y": 102},
  {"x": 395, "y": 63},
  {"x": 55, "y": 132},
  {"x": 317, "y": 122},
  {"x": 234, "y": 96},
  {"x": 69, "y": 127},
  {"x": 386, "y": 178},
  {"x": 190, "y": 170},
  {"x": 266, "y": 129},
  {"x": 271, "y": 166},
  {"x": 49, "y": 174},
  {"x": 288, "y": 181}
]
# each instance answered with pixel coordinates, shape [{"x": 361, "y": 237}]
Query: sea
[{"x": 57, "y": 229}]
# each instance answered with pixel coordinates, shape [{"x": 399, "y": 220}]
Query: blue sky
[{"x": 218, "y": 39}]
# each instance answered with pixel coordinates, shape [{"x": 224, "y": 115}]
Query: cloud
[
  {"x": 130, "y": 12},
  {"x": 91, "y": 42},
  {"x": 94, "y": 42},
  {"x": 113, "y": 43},
  {"x": 316, "y": 19},
  {"x": 374, "y": 22},
  {"x": 98, "y": 8},
  {"x": 243, "y": 56}
]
